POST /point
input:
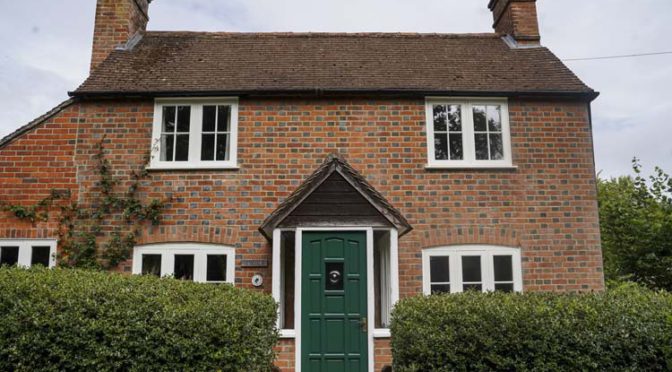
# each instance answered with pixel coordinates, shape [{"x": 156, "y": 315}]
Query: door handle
[{"x": 363, "y": 324}]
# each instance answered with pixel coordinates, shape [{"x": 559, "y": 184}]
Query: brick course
[{"x": 546, "y": 206}]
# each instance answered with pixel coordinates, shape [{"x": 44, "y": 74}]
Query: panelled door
[{"x": 333, "y": 319}]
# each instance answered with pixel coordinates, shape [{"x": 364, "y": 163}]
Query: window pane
[
  {"x": 209, "y": 114},
  {"x": 456, "y": 146},
  {"x": 167, "y": 143},
  {"x": 440, "y": 147},
  {"x": 183, "y": 118},
  {"x": 494, "y": 119},
  {"x": 9, "y": 256},
  {"x": 382, "y": 278},
  {"x": 479, "y": 119},
  {"x": 481, "y": 146},
  {"x": 503, "y": 268},
  {"x": 222, "y": 147},
  {"x": 440, "y": 118},
  {"x": 169, "y": 119},
  {"x": 440, "y": 288},
  {"x": 184, "y": 266},
  {"x": 455, "y": 118},
  {"x": 40, "y": 256},
  {"x": 223, "y": 119},
  {"x": 151, "y": 264},
  {"x": 182, "y": 148},
  {"x": 472, "y": 287},
  {"x": 439, "y": 269},
  {"x": 216, "y": 268},
  {"x": 471, "y": 268},
  {"x": 496, "y": 147},
  {"x": 287, "y": 282},
  {"x": 504, "y": 287},
  {"x": 208, "y": 147}
]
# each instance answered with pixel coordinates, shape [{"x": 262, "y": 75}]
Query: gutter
[{"x": 586, "y": 96}]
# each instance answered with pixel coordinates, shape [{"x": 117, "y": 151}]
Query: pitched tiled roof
[
  {"x": 165, "y": 63},
  {"x": 335, "y": 164}
]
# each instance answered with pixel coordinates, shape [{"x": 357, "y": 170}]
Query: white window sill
[
  {"x": 382, "y": 333},
  {"x": 187, "y": 166},
  {"x": 287, "y": 333},
  {"x": 471, "y": 166}
]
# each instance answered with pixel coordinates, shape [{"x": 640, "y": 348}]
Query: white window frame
[
  {"x": 195, "y": 131},
  {"x": 468, "y": 142},
  {"x": 486, "y": 252},
  {"x": 200, "y": 252},
  {"x": 26, "y": 251}
]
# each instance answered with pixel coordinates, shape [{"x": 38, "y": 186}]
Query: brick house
[{"x": 338, "y": 172}]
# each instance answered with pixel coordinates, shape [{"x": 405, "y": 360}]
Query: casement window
[
  {"x": 195, "y": 134},
  {"x": 468, "y": 133},
  {"x": 205, "y": 263},
  {"x": 456, "y": 269},
  {"x": 27, "y": 252}
]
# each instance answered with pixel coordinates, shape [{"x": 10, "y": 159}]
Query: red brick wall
[
  {"x": 547, "y": 206},
  {"x": 382, "y": 353},
  {"x": 285, "y": 359},
  {"x": 30, "y": 167}
]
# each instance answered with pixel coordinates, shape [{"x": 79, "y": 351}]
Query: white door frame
[{"x": 372, "y": 332}]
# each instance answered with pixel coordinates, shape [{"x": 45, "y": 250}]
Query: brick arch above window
[
  {"x": 471, "y": 234},
  {"x": 29, "y": 231},
  {"x": 194, "y": 234}
]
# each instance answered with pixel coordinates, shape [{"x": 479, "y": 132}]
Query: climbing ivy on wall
[{"x": 101, "y": 232}]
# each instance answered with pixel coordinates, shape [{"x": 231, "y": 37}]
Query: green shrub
[
  {"x": 626, "y": 329},
  {"x": 66, "y": 319}
]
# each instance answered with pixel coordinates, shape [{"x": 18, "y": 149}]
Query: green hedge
[
  {"x": 81, "y": 320},
  {"x": 628, "y": 328}
]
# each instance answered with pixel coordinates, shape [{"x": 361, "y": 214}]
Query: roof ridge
[{"x": 323, "y": 34}]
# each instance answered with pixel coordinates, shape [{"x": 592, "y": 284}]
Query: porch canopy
[{"x": 335, "y": 195}]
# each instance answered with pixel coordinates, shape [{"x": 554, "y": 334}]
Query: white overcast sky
[{"x": 46, "y": 45}]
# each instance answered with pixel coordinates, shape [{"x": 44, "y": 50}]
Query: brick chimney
[
  {"x": 517, "y": 19},
  {"x": 117, "y": 21}
]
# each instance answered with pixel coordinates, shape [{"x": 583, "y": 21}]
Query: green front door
[{"x": 333, "y": 297}]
